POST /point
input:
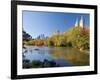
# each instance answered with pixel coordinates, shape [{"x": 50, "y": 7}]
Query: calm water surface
[{"x": 61, "y": 55}]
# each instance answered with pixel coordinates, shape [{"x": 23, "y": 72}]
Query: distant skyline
[{"x": 36, "y": 23}]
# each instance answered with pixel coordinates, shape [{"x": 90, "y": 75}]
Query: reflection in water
[
  {"x": 61, "y": 56},
  {"x": 39, "y": 64}
]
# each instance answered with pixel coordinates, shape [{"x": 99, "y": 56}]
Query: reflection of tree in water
[{"x": 73, "y": 56}]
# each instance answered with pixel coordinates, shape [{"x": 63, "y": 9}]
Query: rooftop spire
[
  {"x": 76, "y": 23},
  {"x": 81, "y": 24}
]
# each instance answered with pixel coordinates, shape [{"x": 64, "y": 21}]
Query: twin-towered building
[{"x": 80, "y": 23}]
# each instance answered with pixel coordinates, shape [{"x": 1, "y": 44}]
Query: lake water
[{"x": 62, "y": 56}]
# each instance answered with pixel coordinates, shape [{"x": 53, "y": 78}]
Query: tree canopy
[
  {"x": 76, "y": 37},
  {"x": 26, "y": 36}
]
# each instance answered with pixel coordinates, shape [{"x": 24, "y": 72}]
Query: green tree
[
  {"x": 57, "y": 39},
  {"x": 78, "y": 37},
  {"x": 26, "y": 36}
]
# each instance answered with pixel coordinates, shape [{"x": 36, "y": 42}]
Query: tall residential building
[
  {"x": 76, "y": 23},
  {"x": 79, "y": 23}
]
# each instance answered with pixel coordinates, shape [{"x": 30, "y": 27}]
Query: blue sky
[{"x": 37, "y": 23}]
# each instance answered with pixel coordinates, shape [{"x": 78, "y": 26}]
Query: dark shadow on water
[{"x": 45, "y": 64}]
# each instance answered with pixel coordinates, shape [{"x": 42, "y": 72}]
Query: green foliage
[
  {"x": 36, "y": 64},
  {"x": 57, "y": 40},
  {"x": 27, "y": 65},
  {"x": 26, "y": 36},
  {"x": 40, "y": 64},
  {"x": 76, "y": 37},
  {"x": 50, "y": 42}
]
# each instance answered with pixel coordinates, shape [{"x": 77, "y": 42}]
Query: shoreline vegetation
[{"x": 75, "y": 37}]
